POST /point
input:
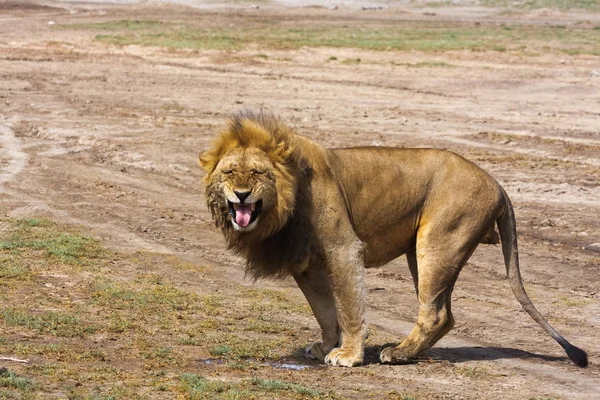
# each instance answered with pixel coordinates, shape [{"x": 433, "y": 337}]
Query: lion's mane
[{"x": 283, "y": 241}]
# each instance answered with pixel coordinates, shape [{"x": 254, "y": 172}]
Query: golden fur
[{"x": 323, "y": 215}]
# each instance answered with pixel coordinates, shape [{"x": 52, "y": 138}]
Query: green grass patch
[
  {"x": 233, "y": 347},
  {"x": 198, "y": 387},
  {"x": 56, "y": 323},
  {"x": 589, "y": 5},
  {"x": 401, "y": 36},
  {"x": 10, "y": 380},
  {"x": 33, "y": 222},
  {"x": 120, "y": 296},
  {"x": 10, "y": 270},
  {"x": 65, "y": 247},
  {"x": 220, "y": 350},
  {"x": 279, "y": 386}
]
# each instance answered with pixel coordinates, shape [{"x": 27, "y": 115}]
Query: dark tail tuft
[{"x": 578, "y": 356}]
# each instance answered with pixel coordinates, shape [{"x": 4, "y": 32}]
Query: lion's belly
[{"x": 383, "y": 246}]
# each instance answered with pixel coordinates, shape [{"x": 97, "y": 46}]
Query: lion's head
[{"x": 252, "y": 173}]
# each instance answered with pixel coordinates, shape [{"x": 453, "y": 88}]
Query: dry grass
[{"x": 99, "y": 324}]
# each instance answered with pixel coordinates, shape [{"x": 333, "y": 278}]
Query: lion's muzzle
[{"x": 244, "y": 214}]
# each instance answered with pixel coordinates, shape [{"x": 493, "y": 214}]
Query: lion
[{"x": 292, "y": 207}]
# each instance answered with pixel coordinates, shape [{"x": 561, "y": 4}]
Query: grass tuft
[
  {"x": 9, "y": 270},
  {"x": 220, "y": 350},
  {"x": 278, "y": 386},
  {"x": 8, "y": 379},
  {"x": 56, "y": 323},
  {"x": 198, "y": 387}
]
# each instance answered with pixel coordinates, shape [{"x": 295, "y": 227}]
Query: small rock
[
  {"x": 548, "y": 222},
  {"x": 51, "y": 22}
]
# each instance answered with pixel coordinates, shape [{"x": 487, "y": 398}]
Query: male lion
[{"x": 293, "y": 207}]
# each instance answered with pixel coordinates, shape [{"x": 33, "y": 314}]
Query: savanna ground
[{"x": 115, "y": 284}]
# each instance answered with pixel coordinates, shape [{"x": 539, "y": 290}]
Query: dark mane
[{"x": 284, "y": 252}]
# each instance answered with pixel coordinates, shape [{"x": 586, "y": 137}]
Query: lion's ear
[
  {"x": 283, "y": 153},
  {"x": 207, "y": 161}
]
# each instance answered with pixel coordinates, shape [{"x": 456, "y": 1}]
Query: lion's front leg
[
  {"x": 345, "y": 267},
  {"x": 315, "y": 285}
]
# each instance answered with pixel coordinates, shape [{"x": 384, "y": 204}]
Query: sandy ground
[{"x": 107, "y": 138}]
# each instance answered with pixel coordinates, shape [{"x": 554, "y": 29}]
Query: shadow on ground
[
  {"x": 464, "y": 354},
  {"x": 451, "y": 354}
]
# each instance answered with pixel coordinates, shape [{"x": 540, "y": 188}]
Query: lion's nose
[{"x": 242, "y": 195}]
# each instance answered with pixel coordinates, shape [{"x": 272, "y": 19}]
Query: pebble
[{"x": 548, "y": 222}]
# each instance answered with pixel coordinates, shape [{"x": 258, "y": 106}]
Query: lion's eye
[
  {"x": 258, "y": 171},
  {"x": 227, "y": 171}
]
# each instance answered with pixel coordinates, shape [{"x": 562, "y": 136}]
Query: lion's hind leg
[
  {"x": 441, "y": 254},
  {"x": 411, "y": 257},
  {"x": 434, "y": 321}
]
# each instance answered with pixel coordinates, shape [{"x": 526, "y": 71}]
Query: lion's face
[
  {"x": 246, "y": 182},
  {"x": 251, "y": 178}
]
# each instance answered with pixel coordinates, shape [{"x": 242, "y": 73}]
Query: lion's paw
[
  {"x": 314, "y": 351},
  {"x": 395, "y": 355},
  {"x": 343, "y": 358}
]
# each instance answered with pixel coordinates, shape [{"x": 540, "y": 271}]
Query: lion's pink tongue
[{"x": 243, "y": 215}]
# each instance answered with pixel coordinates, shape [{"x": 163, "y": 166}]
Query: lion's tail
[{"x": 508, "y": 234}]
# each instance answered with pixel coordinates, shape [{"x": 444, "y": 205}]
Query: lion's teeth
[
  {"x": 235, "y": 206},
  {"x": 252, "y": 206}
]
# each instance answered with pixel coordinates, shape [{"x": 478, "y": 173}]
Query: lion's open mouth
[{"x": 244, "y": 213}]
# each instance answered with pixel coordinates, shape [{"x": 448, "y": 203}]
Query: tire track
[
  {"x": 10, "y": 148},
  {"x": 526, "y": 151}
]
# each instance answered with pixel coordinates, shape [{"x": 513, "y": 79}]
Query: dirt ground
[{"x": 105, "y": 137}]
